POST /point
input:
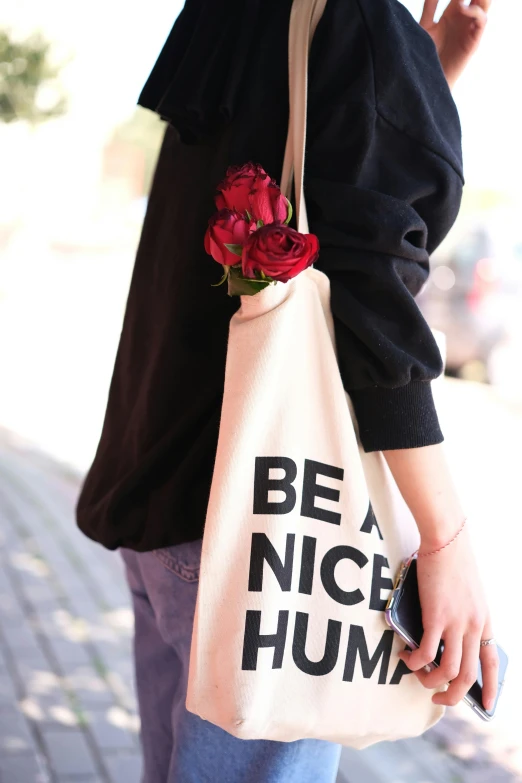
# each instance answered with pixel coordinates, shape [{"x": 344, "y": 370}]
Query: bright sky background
[{"x": 116, "y": 44}]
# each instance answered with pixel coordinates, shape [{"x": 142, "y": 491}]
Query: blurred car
[{"x": 473, "y": 297}]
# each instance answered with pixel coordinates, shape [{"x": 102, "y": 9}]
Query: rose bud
[
  {"x": 267, "y": 203},
  {"x": 279, "y": 251},
  {"x": 234, "y": 190},
  {"x": 227, "y": 228}
]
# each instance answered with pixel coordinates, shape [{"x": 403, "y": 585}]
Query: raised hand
[{"x": 457, "y": 34}]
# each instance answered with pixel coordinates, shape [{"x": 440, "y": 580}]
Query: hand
[
  {"x": 457, "y": 34},
  {"x": 454, "y": 609}
]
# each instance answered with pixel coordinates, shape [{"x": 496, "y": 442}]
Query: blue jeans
[{"x": 179, "y": 747}]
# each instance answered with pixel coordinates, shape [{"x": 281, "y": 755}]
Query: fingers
[
  {"x": 427, "y": 651},
  {"x": 466, "y": 675},
  {"x": 475, "y": 9},
  {"x": 489, "y": 664},
  {"x": 485, "y": 5},
  {"x": 450, "y": 664},
  {"x": 458, "y": 665},
  {"x": 428, "y": 12},
  {"x": 475, "y": 13}
]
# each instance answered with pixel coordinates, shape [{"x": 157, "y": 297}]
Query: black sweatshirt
[{"x": 383, "y": 184}]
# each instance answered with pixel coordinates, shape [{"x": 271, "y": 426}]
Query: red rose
[
  {"x": 234, "y": 190},
  {"x": 267, "y": 203},
  {"x": 248, "y": 188},
  {"x": 279, "y": 251},
  {"x": 227, "y": 228}
]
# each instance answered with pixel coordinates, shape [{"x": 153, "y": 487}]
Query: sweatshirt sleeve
[{"x": 383, "y": 183}]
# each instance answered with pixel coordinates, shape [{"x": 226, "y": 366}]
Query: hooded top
[{"x": 383, "y": 183}]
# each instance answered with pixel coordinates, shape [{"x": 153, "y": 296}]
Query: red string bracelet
[{"x": 436, "y": 551}]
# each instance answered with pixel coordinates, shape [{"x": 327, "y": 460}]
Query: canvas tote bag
[{"x": 304, "y": 531}]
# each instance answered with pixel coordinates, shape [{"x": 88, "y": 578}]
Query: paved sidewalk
[{"x": 67, "y": 709}]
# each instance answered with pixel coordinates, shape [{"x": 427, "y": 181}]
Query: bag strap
[{"x": 304, "y": 18}]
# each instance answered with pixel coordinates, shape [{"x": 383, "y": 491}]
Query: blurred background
[{"x": 76, "y": 161}]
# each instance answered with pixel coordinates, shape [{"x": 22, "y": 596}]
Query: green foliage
[
  {"x": 237, "y": 250},
  {"x": 29, "y": 86},
  {"x": 245, "y": 286}
]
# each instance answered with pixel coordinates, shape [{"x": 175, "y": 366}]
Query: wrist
[
  {"x": 436, "y": 541},
  {"x": 440, "y": 520}
]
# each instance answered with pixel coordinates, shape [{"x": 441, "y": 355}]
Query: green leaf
[
  {"x": 244, "y": 286},
  {"x": 237, "y": 250},
  {"x": 249, "y": 216},
  {"x": 223, "y": 279},
  {"x": 241, "y": 286},
  {"x": 260, "y": 224},
  {"x": 290, "y": 212}
]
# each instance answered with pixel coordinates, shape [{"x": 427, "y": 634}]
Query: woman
[{"x": 383, "y": 187}]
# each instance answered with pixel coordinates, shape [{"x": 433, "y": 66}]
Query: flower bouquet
[{"x": 250, "y": 236}]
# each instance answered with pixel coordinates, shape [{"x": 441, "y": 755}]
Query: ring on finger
[{"x": 487, "y": 642}]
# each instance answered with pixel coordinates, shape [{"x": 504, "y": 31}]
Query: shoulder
[{"x": 374, "y": 51}]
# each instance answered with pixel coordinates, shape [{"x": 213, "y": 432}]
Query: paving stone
[
  {"x": 8, "y": 536},
  {"x": 11, "y": 613},
  {"x": 30, "y": 664},
  {"x": 73, "y": 573},
  {"x": 40, "y": 596},
  {"x": 125, "y": 769},
  {"x": 51, "y": 712},
  {"x": 405, "y": 761},
  {"x": 45, "y": 699},
  {"x": 22, "y": 638},
  {"x": 76, "y": 779},
  {"x": 110, "y": 586},
  {"x": 490, "y": 773},
  {"x": 88, "y": 687},
  {"x": 7, "y": 691},
  {"x": 113, "y": 729},
  {"x": 106, "y": 644},
  {"x": 60, "y": 625},
  {"x": 69, "y": 654},
  {"x": 5, "y": 583},
  {"x": 120, "y": 675},
  {"x": 15, "y": 735},
  {"x": 69, "y": 753},
  {"x": 23, "y": 769},
  {"x": 123, "y": 666},
  {"x": 354, "y": 769},
  {"x": 121, "y": 620},
  {"x": 83, "y": 604}
]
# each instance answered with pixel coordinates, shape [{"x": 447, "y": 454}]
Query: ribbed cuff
[{"x": 403, "y": 418}]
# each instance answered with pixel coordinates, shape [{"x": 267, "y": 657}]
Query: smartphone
[{"x": 403, "y": 614}]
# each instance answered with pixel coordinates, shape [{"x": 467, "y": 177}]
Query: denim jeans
[{"x": 179, "y": 747}]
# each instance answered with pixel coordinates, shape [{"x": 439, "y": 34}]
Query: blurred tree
[
  {"x": 143, "y": 130},
  {"x": 29, "y": 86}
]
